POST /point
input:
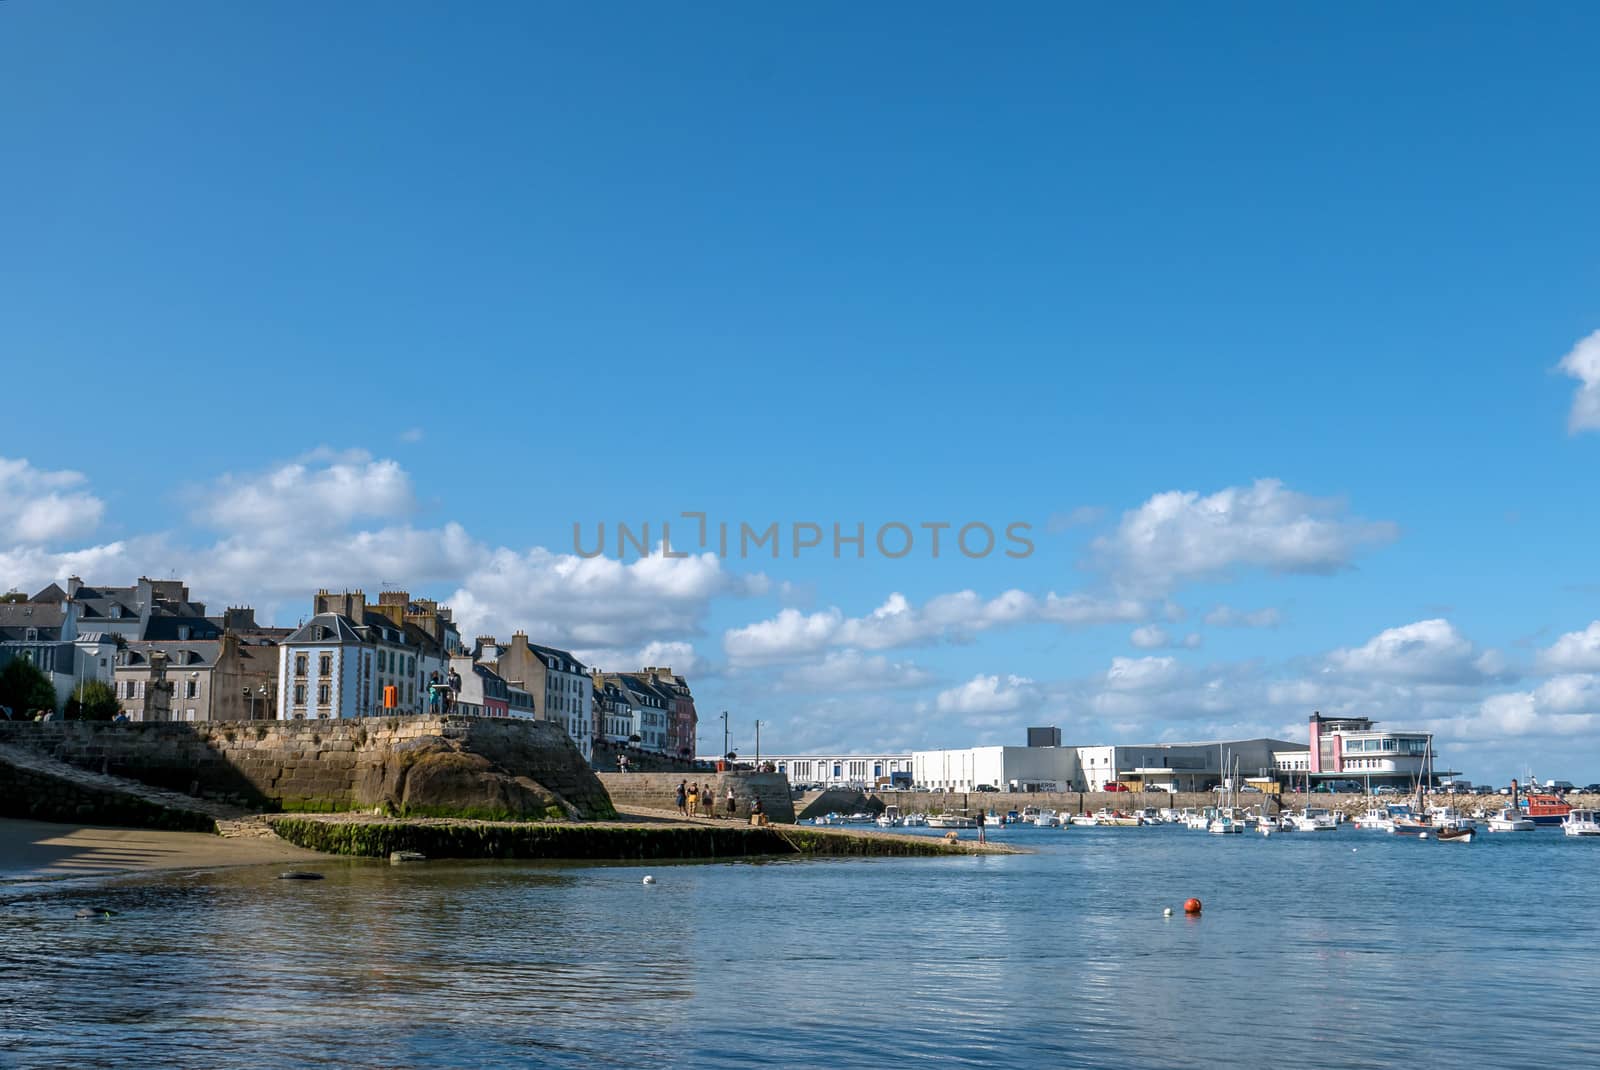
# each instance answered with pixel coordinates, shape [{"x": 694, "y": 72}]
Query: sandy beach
[{"x": 34, "y": 850}]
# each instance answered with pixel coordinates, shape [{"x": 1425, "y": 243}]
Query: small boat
[
  {"x": 1510, "y": 820},
  {"x": 1029, "y": 815},
  {"x": 1115, "y": 818},
  {"x": 914, "y": 821},
  {"x": 1151, "y": 816},
  {"x": 1582, "y": 823},
  {"x": 1454, "y": 835},
  {"x": 1047, "y": 819},
  {"x": 1226, "y": 822},
  {"x": 890, "y": 818},
  {"x": 1313, "y": 819},
  {"x": 1199, "y": 820},
  {"x": 1089, "y": 820},
  {"x": 948, "y": 820}
]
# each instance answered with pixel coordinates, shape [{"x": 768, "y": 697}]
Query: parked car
[
  {"x": 1386, "y": 789},
  {"x": 1112, "y": 785},
  {"x": 985, "y": 787},
  {"x": 1590, "y": 789},
  {"x": 1250, "y": 789}
]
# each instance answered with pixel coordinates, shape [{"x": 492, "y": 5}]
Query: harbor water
[{"x": 1336, "y": 950}]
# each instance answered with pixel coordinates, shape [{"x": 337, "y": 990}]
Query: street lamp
[
  {"x": 724, "y": 731},
  {"x": 758, "y": 746}
]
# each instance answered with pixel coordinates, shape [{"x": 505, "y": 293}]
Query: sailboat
[{"x": 1228, "y": 819}]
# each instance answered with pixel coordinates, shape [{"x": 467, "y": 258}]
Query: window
[
  {"x": 300, "y": 664},
  {"x": 323, "y": 692},
  {"x": 299, "y": 694},
  {"x": 130, "y": 688},
  {"x": 183, "y": 636},
  {"x": 191, "y": 689},
  {"x": 325, "y": 665}
]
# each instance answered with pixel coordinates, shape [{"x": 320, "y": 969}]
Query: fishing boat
[
  {"x": 1510, "y": 819},
  {"x": 1582, "y": 823},
  {"x": 1199, "y": 820},
  {"x": 1455, "y": 835},
  {"x": 1115, "y": 818},
  {"x": 890, "y": 818},
  {"x": 1047, "y": 819},
  {"x": 917, "y": 821},
  {"x": 1448, "y": 817},
  {"x": 1029, "y": 815},
  {"x": 1151, "y": 816},
  {"x": 1377, "y": 817},
  {"x": 1227, "y": 821}
]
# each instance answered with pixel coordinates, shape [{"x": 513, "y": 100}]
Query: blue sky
[{"x": 358, "y": 293}]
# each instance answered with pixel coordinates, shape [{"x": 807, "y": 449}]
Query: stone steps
[{"x": 42, "y": 765}]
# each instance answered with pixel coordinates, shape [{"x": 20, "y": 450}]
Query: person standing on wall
[
  {"x": 982, "y": 820},
  {"x": 683, "y": 799},
  {"x": 731, "y": 805}
]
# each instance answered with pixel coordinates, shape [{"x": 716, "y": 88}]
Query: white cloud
[
  {"x": 1583, "y": 364},
  {"x": 987, "y": 695},
  {"x": 38, "y": 506},
  {"x": 1150, "y": 637},
  {"x": 1178, "y": 536},
  {"x": 1514, "y": 715},
  {"x": 1572, "y": 693},
  {"x": 593, "y": 602},
  {"x": 897, "y": 622},
  {"x": 1141, "y": 674},
  {"x": 1574, "y": 652},
  {"x": 1224, "y": 616},
  {"x": 1154, "y": 637},
  {"x": 412, "y": 434},
  {"x": 322, "y": 492},
  {"x": 850, "y": 670},
  {"x": 1429, "y": 651}
]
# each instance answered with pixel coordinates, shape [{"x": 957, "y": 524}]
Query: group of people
[{"x": 693, "y": 800}]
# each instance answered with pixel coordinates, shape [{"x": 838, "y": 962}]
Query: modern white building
[
  {"x": 1001, "y": 768},
  {"x": 1354, "y": 748}
]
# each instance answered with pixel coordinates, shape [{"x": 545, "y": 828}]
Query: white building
[
  {"x": 1001, "y": 768},
  {"x": 842, "y": 770},
  {"x": 336, "y": 666},
  {"x": 1354, "y": 748}
]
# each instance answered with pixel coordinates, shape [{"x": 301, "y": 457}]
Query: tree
[
  {"x": 93, "y": 700},
  {"x": 24, "y": 688}
]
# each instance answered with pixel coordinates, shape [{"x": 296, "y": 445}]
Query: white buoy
[
  {"x": 649, "y": 880},
  {"x": 1353, "y": 850},
  {"x": 1422, "y": 835},
  {"x": 1167, "y": 913}
]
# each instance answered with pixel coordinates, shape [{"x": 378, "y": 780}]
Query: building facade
[
  {"x": 353, "y": 660},
  {"x": 558, "y": 683},
  {"x": 207, "y": 680},
  {"x": 843, "y": 770}
]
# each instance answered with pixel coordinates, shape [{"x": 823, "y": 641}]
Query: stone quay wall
[
  {"x": 658, "y": 791},
  {"x": 31, "y": 793},
  {"x": 474, "y": 766}
]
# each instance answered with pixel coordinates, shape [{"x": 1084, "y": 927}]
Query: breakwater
[
  {"x": 378, "y": 838},
  {"x": 658, "y": 791},
  {"x": 490, "y": 768}
]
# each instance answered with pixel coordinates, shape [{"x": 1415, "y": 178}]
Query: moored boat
[
  {"x": 1454, "y": 835},
  {"x": 1582, "y": 823},
  {"x": 948, "y": 820},
  {"x": 1510, "y": 820}
]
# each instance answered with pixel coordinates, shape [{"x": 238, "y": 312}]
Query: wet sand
[{"x": 34, "y": 850}]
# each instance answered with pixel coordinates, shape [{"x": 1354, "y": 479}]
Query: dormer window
[
  {"x": 116, "y": 611},
  {"x": 31, "y": 635},
  {"x": 183, "y": 633}
]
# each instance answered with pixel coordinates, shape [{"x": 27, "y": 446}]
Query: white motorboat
[
  {"x": 1510, "y": 819},
  {"x": 1151, "y": 816},
  {"x": 1084, "y": 819},
  {"x": 1047, "y": 819},
  {"x": 1226, "y": 823},
  {"x": 890, "y": 818},
  {"x": 914, "y": 821},
  {"x": 1376, "y": 818},
  {"x": 1582, "y": 823},
  {"x": 951, "y": 821},
  {"x": 1313, "y": 819},
  {"x": 1448, "y": 817},
  {"x": 1199, "y": 821}
]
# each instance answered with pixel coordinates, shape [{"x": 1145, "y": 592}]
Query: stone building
[
  {"x": 682, "y": 720},
  {"x": 220, "y": 679},
  {"x": 558, "y": 683},
  {"x": 47, "y": 635}
]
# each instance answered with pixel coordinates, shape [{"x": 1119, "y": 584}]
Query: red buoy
[{"x": 1191, "y": 906}]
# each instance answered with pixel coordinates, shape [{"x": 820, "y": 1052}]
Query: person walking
[
  {"x": 683, "y": 799},
  {"x": 732, "y": 806}
]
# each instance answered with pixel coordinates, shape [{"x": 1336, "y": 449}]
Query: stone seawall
[
  {"x": 450, "y": 766},
  {"x": 658, "y": 791},
  {"x": 33, "y": 788}
]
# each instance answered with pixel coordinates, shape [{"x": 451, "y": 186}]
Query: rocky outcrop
[{"x": 435, "y": 777}]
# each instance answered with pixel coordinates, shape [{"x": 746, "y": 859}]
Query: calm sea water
[{"x": 1344, "y": 949}]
